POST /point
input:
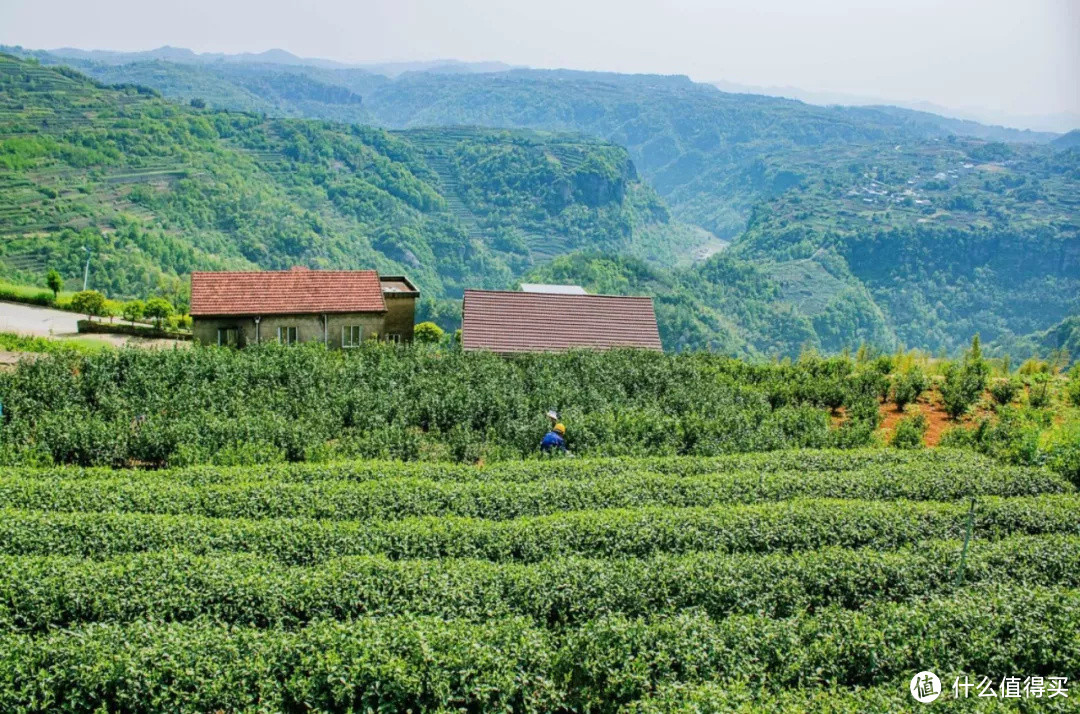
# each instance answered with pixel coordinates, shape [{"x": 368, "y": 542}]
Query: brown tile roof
[
  {"x": 283, "y": 292},
  {"x": 537, "y": 322}
]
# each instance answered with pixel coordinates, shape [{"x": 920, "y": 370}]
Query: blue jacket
[{"x": 552, "y": 440}]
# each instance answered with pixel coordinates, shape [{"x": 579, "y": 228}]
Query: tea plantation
[
  {"x": 298, "y": 530},
  {"x": 813, "y": 580}
]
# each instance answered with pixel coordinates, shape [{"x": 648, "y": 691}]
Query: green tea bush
[
  {"x": 908, "y": 386},
  {"x": 47, "y": 592},
  {"x": 910, "y": 432},
  {"x": 1012, "y": 437},
  {"x": 939, "y": 463},
  {"x": 638, "y": 532},
  {"x": 427, "y": 664},
  {"x": 377, "y": 664},
  {"x": 402, "y": 497},
  {"x": 1073, "y": 386},
  {"x": 964, "y": 382},
  {"x": 744, "y": 696},
  {"x": 163, "y": 407},
  {"x": 997, "y": 630},
  {"x": 1039, "y": 390},
  {"x": 1004, "y": 390}
]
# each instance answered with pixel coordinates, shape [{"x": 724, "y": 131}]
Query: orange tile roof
[
  {"x": 506, "y": 322},
  {"x": 286, "y": 292}
]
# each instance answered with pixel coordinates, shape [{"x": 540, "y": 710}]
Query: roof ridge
[
  {"x": 316, "y": 271},
  {"x": 561, "y": 295}
]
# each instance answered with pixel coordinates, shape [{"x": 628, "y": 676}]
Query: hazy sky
[{"x": 1012, "y": 57}]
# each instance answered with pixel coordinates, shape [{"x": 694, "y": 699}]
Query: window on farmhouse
[
  {"x": 393, "y": 337},
  {"x": 351, "y": 335},
  {"x": 286, "y": 335},
  {"x": 226, "y": 337}
]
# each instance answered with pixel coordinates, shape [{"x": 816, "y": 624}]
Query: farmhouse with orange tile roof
[{"x": 340, "y": 308}]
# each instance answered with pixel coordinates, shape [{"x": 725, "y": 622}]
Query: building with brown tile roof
[
  {"x": 507, "y": 322},
  {"x": 337, "y": 307}
]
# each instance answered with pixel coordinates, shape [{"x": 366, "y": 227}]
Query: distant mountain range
[
  {"x": 182, "y": 55},
  {"x": 1052, "y": 123},
  {"x": 1048, "y": 123}
]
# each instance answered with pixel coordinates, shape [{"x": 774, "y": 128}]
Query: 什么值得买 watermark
[{"x": 926, "y": 687}]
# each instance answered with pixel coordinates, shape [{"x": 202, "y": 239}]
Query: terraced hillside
[
  {"x": 813, "y": 580},
  {"x": 157, "y": 189}
]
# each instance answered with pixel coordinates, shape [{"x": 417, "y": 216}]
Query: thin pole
[
  {"x": 86, "y": 270},
  {"x": 967, "y": 540}
]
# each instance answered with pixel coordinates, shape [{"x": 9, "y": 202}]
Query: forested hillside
[
  {"x": 845, "y": 225},
  {"x": 157, "y": 189}
]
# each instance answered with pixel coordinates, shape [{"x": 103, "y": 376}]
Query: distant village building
[
  {"x": 506, "y": 322},
  {"x": 339, "y": 308}
]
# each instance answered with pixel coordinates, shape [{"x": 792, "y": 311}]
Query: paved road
[
  {"x": 34, "y": 320},
  {"x": 45, "y": 322}
]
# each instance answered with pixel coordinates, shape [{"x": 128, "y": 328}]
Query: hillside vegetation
[
  {"x": 874, "y": 224},
  {"x": 156, "y": 190},
  {"x": 273, "y": 403}
]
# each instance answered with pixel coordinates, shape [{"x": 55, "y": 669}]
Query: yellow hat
[{"x": 560, "y": 429}]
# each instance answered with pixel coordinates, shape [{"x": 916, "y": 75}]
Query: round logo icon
[{"x": 925, "y": 687}]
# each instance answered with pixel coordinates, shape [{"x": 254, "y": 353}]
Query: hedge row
[
  {"x": 962, "y": 464},
  {"x": 402, "y": 497},
  {"x": 994, "y": 631},
  {"x": 37, "y": 593},
  {"x": 783, "y": 526},
  {"x": 423, "y": 664},
  {"x": 741, "y": 698},
  {"x": 306, "y": 403}
]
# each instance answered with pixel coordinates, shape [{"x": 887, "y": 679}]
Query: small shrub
[
  {"x": 89, "y": 302},
  {"x": 964, "y": 383},
  {"x": 133, "y": 310},
  {"x": 910, "y": 432},
  {"x": 55, "y": 282},
  {"x": 959, "y": 390},
  {"x": 1073, "y": 387},
  {"x": 1034, "y": 366},
  {"x": 428, "y": 333},
  {"x": 958, "y": 437},
  {"x": 908, "y": 386},
  {"x": 1039, "y": 390},
  {"x": 158, "y": 309},
  {"x": 1005, "y": 389}
]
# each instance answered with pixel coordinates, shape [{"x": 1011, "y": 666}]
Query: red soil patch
[{"x": 929, "y": 404}]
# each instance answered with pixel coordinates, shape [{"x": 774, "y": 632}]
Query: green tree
[
  {"x": 964, "y": 383},
  {"x": 134, "y": 310},
  {"x": 55, "y": 282},
  {"x": 428, "y": 333},
  {"x": 1005, "y": 389},
  {"x": 1039, "y": 391},
  {"x": 908, "y": 387},
  {"x": 1074, "y": 385},
  {"x": 89, "y": 302},
  {"x": 158, "y": 309},
  {"x": 910, "y": 432}
]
